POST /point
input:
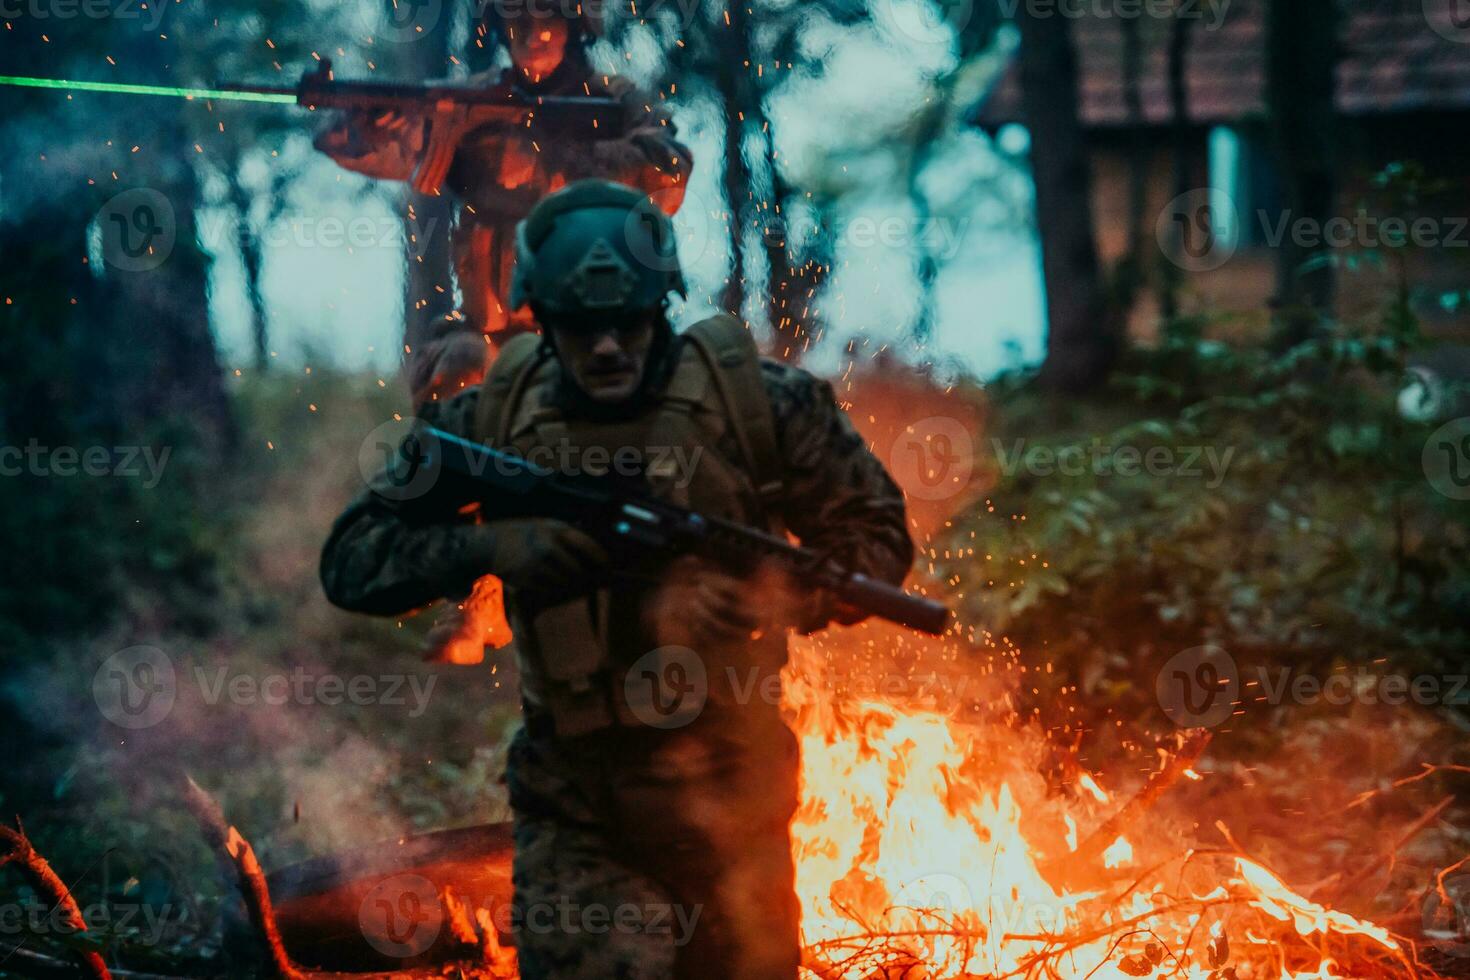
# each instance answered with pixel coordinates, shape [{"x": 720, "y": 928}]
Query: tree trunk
[
  {"x": 1178, "y": 64},
  {"x": 1301, "y": 68},
  {"x": 1082, "y": 342},
  {"x": 734, "y": 88},
  {"x": 1128, "y": 273}
]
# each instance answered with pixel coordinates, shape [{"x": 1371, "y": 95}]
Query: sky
[{"x": 333, "y": 279}]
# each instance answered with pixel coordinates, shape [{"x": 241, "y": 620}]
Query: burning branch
[
  {"x": 1191, "y": 747},
  {"x": 16, "y": 847},
  {"x": 250, "y": 878}
]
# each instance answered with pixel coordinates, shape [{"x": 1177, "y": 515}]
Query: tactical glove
[{"x": 541, "y": 560}]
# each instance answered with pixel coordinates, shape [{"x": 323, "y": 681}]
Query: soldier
[
  {"x": 654, "y": 780},
  {"x": 497, "y": 173}
]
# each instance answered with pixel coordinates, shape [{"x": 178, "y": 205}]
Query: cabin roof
[{"x": 1393, "y": 61}]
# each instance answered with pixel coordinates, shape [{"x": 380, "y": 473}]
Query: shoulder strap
[
  {"x": 504, "y": 385},
  {"x": 734, "y": 363}
]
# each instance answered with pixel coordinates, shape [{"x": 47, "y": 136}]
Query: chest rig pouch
[{"x": 706, "y": 442}]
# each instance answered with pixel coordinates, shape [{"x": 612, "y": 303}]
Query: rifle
[
  {"x": 612, "y": 509},
  {"x": 452, "y": 111}
]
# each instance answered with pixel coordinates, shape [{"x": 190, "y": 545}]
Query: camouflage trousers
[{"x": 654, "y": 857}]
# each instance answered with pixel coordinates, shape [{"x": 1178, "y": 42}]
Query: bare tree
[
  {"x": 1083, "y": 332},
  {"x": 1301, "y": 66}
]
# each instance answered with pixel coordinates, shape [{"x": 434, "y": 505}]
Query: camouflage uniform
[
  {"x": 497, "y": 178},
  {"x": 689, "y": 826}
]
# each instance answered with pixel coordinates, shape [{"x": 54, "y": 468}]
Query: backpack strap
[
  {"x": 504, "y": 385},
  {"x": 730, "y": 353}
]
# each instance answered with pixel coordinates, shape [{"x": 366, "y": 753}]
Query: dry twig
[
  {"x": 15, "y": 848},
  {"x": 249, "y": 877}
]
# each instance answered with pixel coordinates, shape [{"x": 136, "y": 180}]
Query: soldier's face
[
  {"x": 537, "y": 45},
  {"x": 608, "y": 362}
]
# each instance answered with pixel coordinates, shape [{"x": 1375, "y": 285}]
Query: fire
[{"x": 920, "y": 844}]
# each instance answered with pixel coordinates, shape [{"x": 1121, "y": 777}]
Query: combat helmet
[{"x": 594, "y": 249}]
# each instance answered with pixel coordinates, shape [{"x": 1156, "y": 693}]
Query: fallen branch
[
  {"x": 33, "y": 964},
  {"x": 15, "y": 847},
  {"x": 1191, "y": 747},
  {"x": 1388, "y": 856},
  {"x": 249, "y": 877}
]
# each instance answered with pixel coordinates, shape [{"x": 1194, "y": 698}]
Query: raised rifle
[
  {"x": 452, "y": 111},
  {"x": 611, "y": 509}
]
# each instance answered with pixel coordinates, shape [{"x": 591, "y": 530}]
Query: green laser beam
[{"x": 126, "y": 89}]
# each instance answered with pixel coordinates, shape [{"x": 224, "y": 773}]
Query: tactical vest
[{"x": 574, "y": 657}]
